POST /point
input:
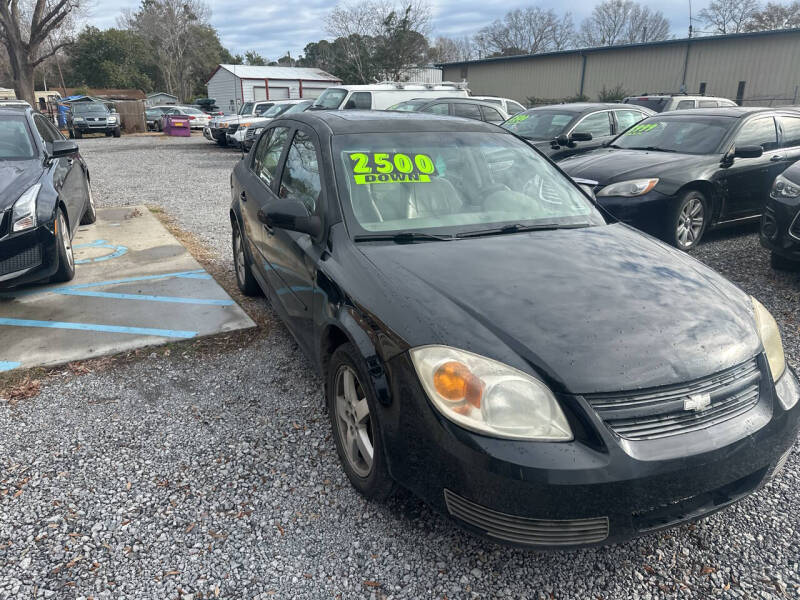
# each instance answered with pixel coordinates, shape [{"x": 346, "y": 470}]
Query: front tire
[
  {"x": 244, "y": 274},
  {"x": 78, "y": 134},
  {"x": 689, "y": 220},
  {"x": 781, "y": 263},
  {"x": 355, "y": 422},
  {"x": 66, "y": 259},
  {"x": 117, "y": 132},
  {"x": 90, "y": 214}
]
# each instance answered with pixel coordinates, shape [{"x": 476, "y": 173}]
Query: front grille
[
  {"x": 27, "y": 259},
  {"x": 5, "y": 223},
  {"x": 663, "y": 412},
  {"x": 769, "y": 227},
  {"x": 522, "y": 530}
]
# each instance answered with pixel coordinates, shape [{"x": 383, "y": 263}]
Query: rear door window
[
  {"x": 268, "y": 154},
  {"x": 440, "y": 108},
  {"x": 490, "y": 114},
  {"x": 469, "y": 111},
  {"x": 758, "y": 132},
  {"x": 598, "y": 124},
  {"x": 626, "y": 118},
  {"x": 685, "y": 104},
  {"x": 707, "y": 104},
  {"x": 514, "y": 108},
  {"x": 791, "y": 131}
]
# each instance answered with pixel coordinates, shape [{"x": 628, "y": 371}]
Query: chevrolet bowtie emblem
[{"x": 697, "y": 402}]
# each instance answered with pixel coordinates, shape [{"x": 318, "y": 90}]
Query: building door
[
  {"x": 278, "y": 93},
  {"x": 259, "y": 93}
]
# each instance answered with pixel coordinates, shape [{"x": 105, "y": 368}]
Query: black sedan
[
  {"x": 44, "y": 196},
  {"x": 564, "y": 130},
  {"x": 780, "y": 223},
  {"x": 489, "y": 342},
  {"x": 677, "y": 174}
]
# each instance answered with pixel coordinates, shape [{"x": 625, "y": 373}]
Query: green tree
[
  {"x": 253, "y": 58},
  {"x": 114, "y": 58}
]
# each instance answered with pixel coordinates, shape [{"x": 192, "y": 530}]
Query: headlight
[
  {"x": 489, "y": 397},
  {"x": 634, "y": 187},
  {"x": 770, "y": 339},
  {"x": 78, "y": 119},
  {"x": 788, "y": 390},
  {"x": 111, "y": 119},
  {"x": 783, "y": 188},
  {"x": 23, "y": 216}
]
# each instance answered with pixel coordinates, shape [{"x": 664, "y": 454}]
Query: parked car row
[
  {"x": 491, "y": 339},
  {"x": 156, "y": 116}
]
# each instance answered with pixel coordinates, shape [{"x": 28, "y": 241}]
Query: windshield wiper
[
  {"x": 519, "y": 227},
  {"x": 653, "y": 149},
  {"x": 403, "y": 237}
]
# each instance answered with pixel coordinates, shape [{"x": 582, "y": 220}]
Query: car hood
[
  {"x": 15, "y": 178},
  {"x": 607, "y": 165},
  {"x": 601, "y": 309}
]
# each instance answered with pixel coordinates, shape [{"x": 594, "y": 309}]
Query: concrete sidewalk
[{"x": 135, "y": 286}]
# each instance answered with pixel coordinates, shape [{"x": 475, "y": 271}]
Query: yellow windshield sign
[
  {"x": 642, "y": 128},
  {"x": 391, "y": 167}
]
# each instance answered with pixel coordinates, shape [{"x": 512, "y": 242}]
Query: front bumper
[
  {"x": 95, "y": 127},
  {"x": 649, "y": 212},
  {"x": 27, "y": 256},
  {"x": 236, "y": 137},
  {"x": 780, "y": 227},
  {"x": 596, "y": 489}
]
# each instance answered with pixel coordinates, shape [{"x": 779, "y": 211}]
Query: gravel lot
[{"x": 204, "y": 474}]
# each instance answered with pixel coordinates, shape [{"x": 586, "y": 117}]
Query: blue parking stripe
[
  {"x": 96, "y": 327},
  {"x": 131, "y": 279},
  {"x": 7, "y": 365},
  {"x": 175, "y": 299}
]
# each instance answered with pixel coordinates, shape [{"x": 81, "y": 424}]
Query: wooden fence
[{"x": 131, "y": 113}]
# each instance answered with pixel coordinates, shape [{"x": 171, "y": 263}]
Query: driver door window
[
  {"x": 437, "y": 109},
  {"x": 360, "y": 101},
  {"x": 268, "y": 154},
  {"x": 758, "y": 132},
  {"x": 598, "y": 124},
  {"x": 300, "y": 180}
]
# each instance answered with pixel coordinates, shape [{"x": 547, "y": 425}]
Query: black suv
[{"x": 92, "y": 117}]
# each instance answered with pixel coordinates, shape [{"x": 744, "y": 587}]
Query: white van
[{"x": 383, "y": 95}]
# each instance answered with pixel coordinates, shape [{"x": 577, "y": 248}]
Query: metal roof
[
  {"x": 580, "y": 51},
  {"x": 304, "y": 73}
]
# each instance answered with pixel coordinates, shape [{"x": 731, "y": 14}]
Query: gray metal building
[{"x": 761, "y": 68}]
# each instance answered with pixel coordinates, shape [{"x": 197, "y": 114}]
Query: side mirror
[
  {"x": 561, "y": 140},
  {"x": 580, "y": 137},
  {"x": 748, "y": 151},
  {"x": 292, "y": 216},
  {"x": 61, "y": 148}
]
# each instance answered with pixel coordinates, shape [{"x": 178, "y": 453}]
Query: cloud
[{"x": 272, "y": 29}]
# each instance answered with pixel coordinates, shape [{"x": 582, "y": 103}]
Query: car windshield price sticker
[
  {"x": 391, "y": 167},
  {"x": 639, "y": 129},
  {"x": 517, "y": 119}
]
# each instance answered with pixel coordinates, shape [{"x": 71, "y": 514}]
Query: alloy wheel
[
  {"x": 353, "y": 421},
  {"x": 65, "y": 241},
  {"x": 690, "y": 222}
]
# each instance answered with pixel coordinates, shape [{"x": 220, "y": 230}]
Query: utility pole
[{"x": 690, "y": 19}]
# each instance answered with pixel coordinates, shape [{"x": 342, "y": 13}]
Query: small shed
[
  {"x": 232, "y": 85},
  {"x": 160, "y": 99}
]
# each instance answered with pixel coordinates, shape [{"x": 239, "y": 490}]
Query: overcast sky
[{"x": 272, "y": 28}]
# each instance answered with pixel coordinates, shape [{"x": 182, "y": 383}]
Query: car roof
[
  {"x": 343, "y": 122},
  {"x": 14, "y": 110},
  {"x": 456, "y": 99},
  {"x": 723, "y": 111},
  {"x": 579, "y": 107}
]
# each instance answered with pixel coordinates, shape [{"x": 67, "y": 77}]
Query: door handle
[
  {"x": 776, "y": 158},
  {"x": 70, "y": 161},
  {"x": 243, "y": 196}
]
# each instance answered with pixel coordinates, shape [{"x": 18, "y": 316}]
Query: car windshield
[
  {"x": 299, "y": 107},
  {"x": 539, "y": 124},
  {"x": 460, "y": 182},
  {"x": 409, "y": 105},
  {"x": 655, "y": 104},
  {"x": 330, "y": 98},
  {"x": 246, "y": 109},
  {"x": 15, "y": 138},
  {"x": 276, "y": 110},
  {"x": 696, "y": 134},
  {"x": 191, "y": 111},
  {"x": 89, "y": 108}
]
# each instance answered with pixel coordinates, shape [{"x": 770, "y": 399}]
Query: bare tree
[
  {"x": 446, "y": 49},
  {"x": 530, "y": 30},
  {"x": 32, "y": 31},
  {"x": 775, "y": 16},
  {"x": 616, "y": 22},
  {"x": 170, "y": 27},
  {"x": 729, "y": 16},
  {"x": 358, "y": 26}
]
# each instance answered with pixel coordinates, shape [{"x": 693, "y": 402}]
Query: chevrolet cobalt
[{"x": 489, "y": 341}]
